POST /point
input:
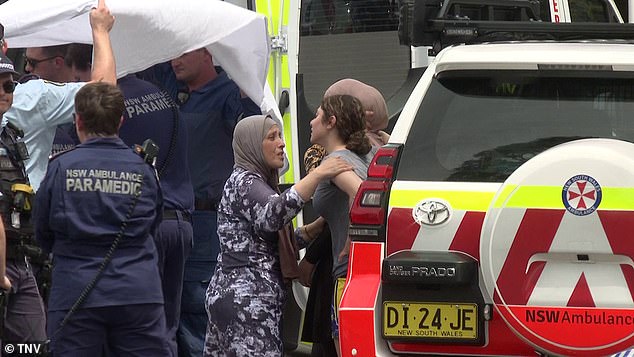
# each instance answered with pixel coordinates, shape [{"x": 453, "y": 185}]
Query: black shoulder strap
[{"x": 10, "y": 141}]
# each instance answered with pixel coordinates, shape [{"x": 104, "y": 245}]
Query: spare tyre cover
[{"x": 557, "y": 245}]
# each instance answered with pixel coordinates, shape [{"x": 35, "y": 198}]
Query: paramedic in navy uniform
[
  {"x": 89, "y": 196},
  {"x": 150, "y": 113}
]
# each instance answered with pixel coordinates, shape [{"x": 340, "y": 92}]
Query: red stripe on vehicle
[
  {"x": 403, "y": 230},
  {"x": 534, "y": 235},
  {"x": 618, "y": 227},
  {"x": 467, "y": 238},
  {"x": 581, "y": 295}
]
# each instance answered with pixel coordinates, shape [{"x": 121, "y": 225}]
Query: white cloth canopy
[{"x": 147, "y": 32}]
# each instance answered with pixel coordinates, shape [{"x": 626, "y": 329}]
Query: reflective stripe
[
  {"x": 614, "y": 198},
  {"x": 290, "y": 149}
]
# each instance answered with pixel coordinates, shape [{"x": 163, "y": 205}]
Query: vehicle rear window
[
  {"x": 581, "y": 11},
  {"x": 588, "y": 11},
  {"x": 481, "y": 126},
  {"x": 327, "y": 17}
]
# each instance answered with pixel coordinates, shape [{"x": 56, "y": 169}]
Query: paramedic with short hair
[{"x": 97, "y": 211}]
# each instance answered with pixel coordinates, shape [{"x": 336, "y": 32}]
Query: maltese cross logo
[{"x": 581, "y": 195}]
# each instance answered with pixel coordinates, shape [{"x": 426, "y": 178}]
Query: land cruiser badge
[
  {"x": 431, "y": 212},
  {"x": 581, "y": 195}
]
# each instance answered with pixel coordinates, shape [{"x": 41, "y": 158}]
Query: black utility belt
[
  {"x": 171, "y": 214},
  {"x": 19, "y": 251},
  {"x": 15, "y": 252}
]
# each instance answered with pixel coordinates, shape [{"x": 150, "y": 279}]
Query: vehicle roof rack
[{"x": 438, "y": 25}]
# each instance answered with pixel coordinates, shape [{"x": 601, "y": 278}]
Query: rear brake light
[
  {"x": 382, "y": 165},
  {"x": 368, "y": 207},
  {"x": 371, "y": 199}
]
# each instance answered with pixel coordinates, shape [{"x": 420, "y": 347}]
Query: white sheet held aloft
[{"x": 147, "y": 32}]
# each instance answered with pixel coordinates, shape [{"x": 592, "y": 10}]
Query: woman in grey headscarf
[{"x": 246, "y": 293}]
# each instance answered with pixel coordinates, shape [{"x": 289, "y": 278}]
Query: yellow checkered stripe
[{"x": 512, "y": 196}]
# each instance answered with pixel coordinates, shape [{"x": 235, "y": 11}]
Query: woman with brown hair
[
  {"x": 247, "y": 291},
  {"x": 315, "y": 269},
  {"x": 340, "y": 129}
]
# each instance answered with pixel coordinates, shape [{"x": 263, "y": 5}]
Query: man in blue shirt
[
  {"x": 76, "y": 68},
  {"x": 39, "y": 106},
  {"x": 25, "y": 319},
  {"x": 211, "y": 104}
]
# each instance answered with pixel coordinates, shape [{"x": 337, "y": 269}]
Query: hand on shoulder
[{"x": 332, "y": 167}]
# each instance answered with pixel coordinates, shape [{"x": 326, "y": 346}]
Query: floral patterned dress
[{"x": 246, "y": 293}]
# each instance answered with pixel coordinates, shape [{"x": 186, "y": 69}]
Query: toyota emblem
[{"x": 431, "y": 212}]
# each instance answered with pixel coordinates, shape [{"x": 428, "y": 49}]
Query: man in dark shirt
[{"x": 211, "y": 104}]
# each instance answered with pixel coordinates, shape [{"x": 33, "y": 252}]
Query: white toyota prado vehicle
[{"x": 499, "y": 220}]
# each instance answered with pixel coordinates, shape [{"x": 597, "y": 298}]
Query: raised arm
[{"x": 103, "y": 65}]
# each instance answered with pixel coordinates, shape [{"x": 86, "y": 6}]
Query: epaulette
[
  {"x": 58, "y": 154},
  {"x": 57, "y": 84}
]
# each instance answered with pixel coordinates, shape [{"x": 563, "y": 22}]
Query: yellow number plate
[{"x": 430, "y": 320}]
